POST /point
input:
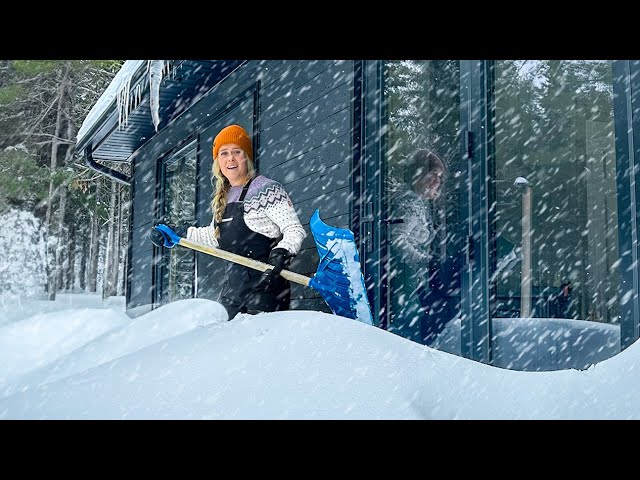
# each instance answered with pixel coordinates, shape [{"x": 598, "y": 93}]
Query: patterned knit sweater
[
  {"x": 267, "y": 210},
  {"x": 412, "y": 238}
]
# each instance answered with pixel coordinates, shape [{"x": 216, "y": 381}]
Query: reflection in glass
[
  {"x": 178, "y": 264},
  {"x": 554, "y": 131},
  {"x": 423, "y": 108}
]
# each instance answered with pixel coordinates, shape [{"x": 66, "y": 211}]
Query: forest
[{"x": 78, "y": 216}]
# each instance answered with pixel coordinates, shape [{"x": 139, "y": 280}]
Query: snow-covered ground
[{"x": 82, "y": 358}]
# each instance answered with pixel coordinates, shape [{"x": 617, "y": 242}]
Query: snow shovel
[{"x": 338, "y": 277}]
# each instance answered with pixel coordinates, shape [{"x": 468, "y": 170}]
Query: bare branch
[
  {"x": 53, "y": 137},
  {"x": 33, "y": 127}
]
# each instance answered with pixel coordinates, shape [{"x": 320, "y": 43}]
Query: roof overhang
[{"x": 121, "y": 122}]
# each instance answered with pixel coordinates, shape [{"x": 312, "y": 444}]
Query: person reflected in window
[
  {"x": 564, "y": 302},
  {"x": 253, "y": 216},
  {"x": 423, "y": 306}
]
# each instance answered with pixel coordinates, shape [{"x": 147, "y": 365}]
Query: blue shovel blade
[{"x": 339, "y": 276}]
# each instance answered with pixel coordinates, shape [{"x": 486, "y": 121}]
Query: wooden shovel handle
[{"x": 247, "y": 262}]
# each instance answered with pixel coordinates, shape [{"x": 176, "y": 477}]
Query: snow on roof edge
[{"x": 108, "y": 98}]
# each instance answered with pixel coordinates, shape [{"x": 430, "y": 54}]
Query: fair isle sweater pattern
[
  {"x": 267, "y": 210},
  {"x": 413, "y": 237}
]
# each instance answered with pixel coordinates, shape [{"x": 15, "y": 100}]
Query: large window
[
  {"x": 177, "y": 269},
  {"x": 554, "y": 212},
  {"x": 555, "y": 178}
]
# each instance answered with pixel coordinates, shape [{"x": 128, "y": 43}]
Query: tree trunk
[
  {"x": 107, "y": 276},
  {"x": 82, "y": 268},
  {"x": 71, "y": 258},
  {"x": 52, "y": 259},
  {"x": 62, "y": 239},
  {"x": 124, "y": 220},
  {"x": 69, "y": 228},
  {"x": 115, "y": 272},
  {"x": 94, "y": 245}
]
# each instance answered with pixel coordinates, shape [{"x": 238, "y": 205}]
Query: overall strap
[{"x": 245, "y": 190}]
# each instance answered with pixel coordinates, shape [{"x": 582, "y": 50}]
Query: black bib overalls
[{"x": 237, "y": 294}]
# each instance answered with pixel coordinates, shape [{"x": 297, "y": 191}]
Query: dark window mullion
[
  {"x": 474, "y": 121},
  {"x": 370, "y": 201},
  {"x": 626, "y": 85}
]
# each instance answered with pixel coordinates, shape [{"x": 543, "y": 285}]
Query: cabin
[{"x": 534, "y": 262}]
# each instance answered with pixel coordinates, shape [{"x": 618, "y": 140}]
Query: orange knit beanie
[{"x": 233, "y": 134}]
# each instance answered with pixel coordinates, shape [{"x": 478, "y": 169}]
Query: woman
[
  {"x": 416, "y": 280},
  {"x": 252, "y": 216},
  {"x": 411, "y": 201}
]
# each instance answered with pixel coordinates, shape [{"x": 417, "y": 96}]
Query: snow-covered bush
[{"x": 22, "y": 255}]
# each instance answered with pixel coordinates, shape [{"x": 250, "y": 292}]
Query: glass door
[{"x": 421, "y": 190}]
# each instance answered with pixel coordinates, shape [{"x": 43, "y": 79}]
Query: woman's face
[
  {"x": 233, "y": 163},
  {"x": 429, "y": 185}
]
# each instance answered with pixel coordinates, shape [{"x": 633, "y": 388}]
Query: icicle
[
  {"x": 123, "y": 102},
  {"x": 119, "y": 106},
  {"x": 137, "y": 95},
  {"x": 156, "y": 70},
  {"x": 167, "y": 68},
  {"x": 128, "y": 100}
]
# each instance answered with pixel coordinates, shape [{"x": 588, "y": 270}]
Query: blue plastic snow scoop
[{"x": 338, "y": 277}]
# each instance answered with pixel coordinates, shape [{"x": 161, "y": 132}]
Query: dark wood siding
[
  {"x": 305, "y": 144},
  {"x": 303, "y": 132}
]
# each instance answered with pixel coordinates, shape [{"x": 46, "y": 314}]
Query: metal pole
[{"x": 525, "y": 279}]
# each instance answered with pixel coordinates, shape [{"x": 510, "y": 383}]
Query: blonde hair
[{"x": 219, "y": 201}]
